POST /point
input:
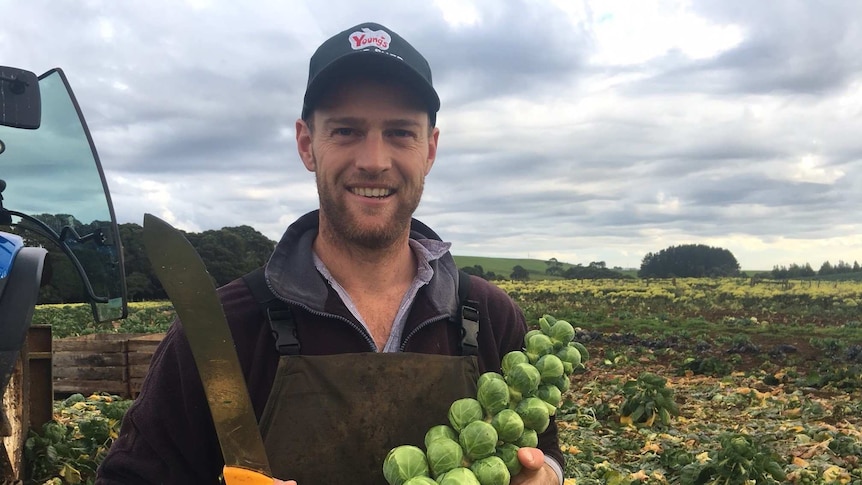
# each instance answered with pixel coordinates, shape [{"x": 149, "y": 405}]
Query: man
[{"x": 372, "y": 352}]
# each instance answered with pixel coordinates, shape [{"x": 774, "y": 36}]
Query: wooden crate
[
  {"x": 139, "y": 352},
  {"x": 91, "y": 363},
  {"x": 112, "y": 363}
]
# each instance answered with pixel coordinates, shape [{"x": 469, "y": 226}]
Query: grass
[{"x": 503, "y": 266}]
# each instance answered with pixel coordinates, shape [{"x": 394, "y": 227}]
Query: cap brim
[{"x": 375, "y": 63}]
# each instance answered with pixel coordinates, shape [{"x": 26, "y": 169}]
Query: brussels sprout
[
  {"x": 561, "y": 334},
  {"x": 549, "y": 366},
  {"x": 463, "y": 412},
  {"x": 550, "y": 318},
  {"x": 479, "y": 439},
  {"x": 508, "y": 424},
  {"x": 530, "y": 439},
  {"x": 545, "y": 325},
  {"x": 491, "y": 471},
  {"x": 529, "y": 334},
  {"x": 420, "y": 481},
  {"x": 488, "y": 376},
  {"x": 508, "y": 452},
  {"x": 458, "y": 476},
  {"x": 537, "y": 346},
  {"x": 524, "y": 378},
  {"x": 534, "y": 412},
  {"x": 571, "y": 358},
  {"x": 551, "y": 395},
  {"x": 493, "y": 395},
  {"x": 585, "y": 354},
  {"x": 562, "y": 383},
  {"x": 440, "y": 431},
  {"x": 443, "y": 455},
  {"x": 515, "y": 397},
  {"x": 512, "y": 358},
  {"x": 403, "y": 463}
]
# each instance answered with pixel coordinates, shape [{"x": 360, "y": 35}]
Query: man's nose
[{"x": 373, "y": 155}]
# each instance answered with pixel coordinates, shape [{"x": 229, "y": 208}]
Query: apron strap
[{"x": 278, "y": 313}]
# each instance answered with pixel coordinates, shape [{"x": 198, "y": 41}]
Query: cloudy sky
[{"x": 582, "y": 130}]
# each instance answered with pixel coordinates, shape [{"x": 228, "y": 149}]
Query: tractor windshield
[{"x": 58, "y": 198}]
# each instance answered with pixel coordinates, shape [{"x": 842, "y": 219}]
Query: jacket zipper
[
  {"x": 358, "y": 328},
  {"x": 419, "y": 327}
]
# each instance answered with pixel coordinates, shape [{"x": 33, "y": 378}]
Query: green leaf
[
  {"x": 638, "y": 413},
  {"x": 694, "y": 474},
  {"x": 51, "y": 454}
]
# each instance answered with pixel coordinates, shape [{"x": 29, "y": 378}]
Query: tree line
[
  {"x": 228, "y": 253},
  {"x": 806, "y": 271},
  {"x": 594, "y": 270},
  {"x": 683, "y": 261}
]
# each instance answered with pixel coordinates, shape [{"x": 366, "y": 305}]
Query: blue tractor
[{"x": 53, "y": 198}]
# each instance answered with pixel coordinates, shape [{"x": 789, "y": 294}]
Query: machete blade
[{"x": 193, "y": 294}]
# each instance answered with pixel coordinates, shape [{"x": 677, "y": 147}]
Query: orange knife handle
[{"x": 243, "y": 476}]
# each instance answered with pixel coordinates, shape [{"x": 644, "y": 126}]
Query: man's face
[{"x": 370, "y": 148}]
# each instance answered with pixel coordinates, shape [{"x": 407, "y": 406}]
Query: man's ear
[
  {"x": 303, "y": 145},
  {"x": 432, "y": 149}
]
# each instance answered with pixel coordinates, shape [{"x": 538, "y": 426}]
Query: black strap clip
[
  {"x": 284, "y": 330},
  {"x": 469, "y": 328}
]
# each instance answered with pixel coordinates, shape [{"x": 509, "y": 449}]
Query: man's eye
[
  {"x": 401, "y": 133},
  {"x": 342, "y": 132}
]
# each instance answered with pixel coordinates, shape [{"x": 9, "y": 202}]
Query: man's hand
[
  {"x": 534, "y": 470},
  {"x": 279, "y": 482}
]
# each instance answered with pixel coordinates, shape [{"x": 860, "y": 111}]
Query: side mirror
[{"x": 20, "y": 101}]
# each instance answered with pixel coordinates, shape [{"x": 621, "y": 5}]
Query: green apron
[{"x": 332, "y": 419}]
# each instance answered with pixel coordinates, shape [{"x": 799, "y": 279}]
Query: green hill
[{"x": 503, "y": 266}]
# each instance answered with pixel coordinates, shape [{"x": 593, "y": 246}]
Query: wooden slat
[
  {"x": 146, "y": 343},
  {"x": 88, "y": 359},
  {"x": 88, "y": 387},
  {"x": 117, "y": 373},
  {"x": 89, "y": 346},
  {"x": 40, "y": 375}
]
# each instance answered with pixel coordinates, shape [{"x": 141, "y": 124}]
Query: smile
[{"x": 371, "y": 192}]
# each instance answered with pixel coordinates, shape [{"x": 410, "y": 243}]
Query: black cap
[{"x": 369, "y": 47}]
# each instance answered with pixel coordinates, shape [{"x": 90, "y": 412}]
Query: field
[{"x": 766, "y": 376}]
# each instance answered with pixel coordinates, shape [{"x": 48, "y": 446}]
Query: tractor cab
[{"x": 57, "y": 223}]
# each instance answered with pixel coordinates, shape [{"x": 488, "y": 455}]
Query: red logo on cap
[{"x": 370, "y": 38}]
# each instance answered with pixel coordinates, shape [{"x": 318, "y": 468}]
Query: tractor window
[{"x": 53, "y": 174}]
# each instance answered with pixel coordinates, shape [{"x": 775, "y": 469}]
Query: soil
[{"x": 757, "y": 351}]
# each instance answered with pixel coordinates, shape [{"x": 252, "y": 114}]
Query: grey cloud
[
  {"x": 768, "y": 192},
  {"x": 794, "y": 47}
]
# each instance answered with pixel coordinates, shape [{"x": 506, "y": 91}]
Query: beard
[{"x": 351, "y": 229}]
